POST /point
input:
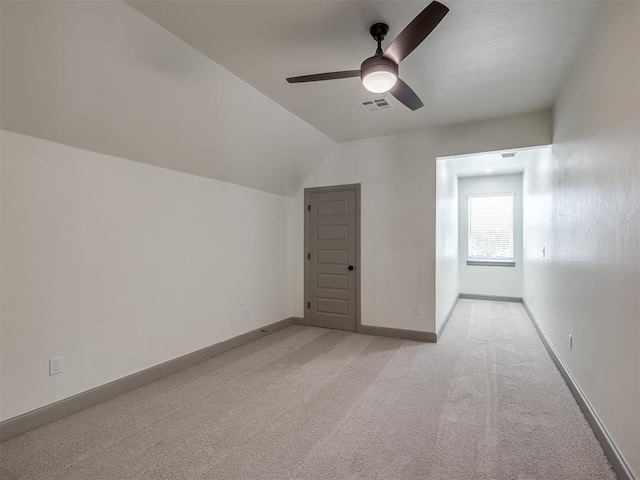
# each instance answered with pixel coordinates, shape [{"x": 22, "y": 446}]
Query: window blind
[{"x": 491, "y": 227}]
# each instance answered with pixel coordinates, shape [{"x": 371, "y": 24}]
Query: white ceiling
[
  {"x": 103, "y": 77},
  {"x": 493, "y": 163},
  {"x": 487, "y": 59}
]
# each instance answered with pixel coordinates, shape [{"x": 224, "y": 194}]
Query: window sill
[{"x": 490, "y": 263}]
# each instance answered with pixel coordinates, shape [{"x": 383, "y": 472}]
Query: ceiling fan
[{"x": 379, "y": 73}]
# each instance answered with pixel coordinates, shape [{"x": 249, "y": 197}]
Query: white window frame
[{"x": 491, "y": 261}]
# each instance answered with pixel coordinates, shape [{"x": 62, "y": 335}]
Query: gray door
[{"x": 331, "y": 259}]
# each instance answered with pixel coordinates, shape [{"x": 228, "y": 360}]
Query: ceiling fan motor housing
[
  {"x": 378, "y": 74},
  {"x": 378, "y": 64}
]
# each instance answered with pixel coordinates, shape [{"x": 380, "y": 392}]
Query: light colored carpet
[{"x": 485, "y": 403}]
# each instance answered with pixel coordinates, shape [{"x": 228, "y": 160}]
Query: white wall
[
  {"x": 447, "y": 282},
  {"x": 118, "y": 266},
  {"x": 398, "y": 217},
  {"x": 583, "y": 204},
  {"x": 490, "y": 280}
]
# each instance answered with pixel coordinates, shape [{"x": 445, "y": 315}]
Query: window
[{"x": 490, "y": 238}]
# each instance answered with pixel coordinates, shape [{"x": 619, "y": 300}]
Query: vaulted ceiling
[
  {"x": 487, "y": 59},
  {"x": 103, "y": 77},
  {"x": 177, "y": 83}
]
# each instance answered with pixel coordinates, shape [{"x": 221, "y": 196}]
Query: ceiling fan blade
[
  {"x": 414, "y": 33},
  {"x": 324, "y": 76},
  {"x": 406, "y": 95}
]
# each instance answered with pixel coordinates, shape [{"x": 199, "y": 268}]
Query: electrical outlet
[
  {"x": 247, "y": 312},
  {"x": 55, "y": 365},
  {"x": 570, "y": 342},
  {"x": 419, "y": 310}
]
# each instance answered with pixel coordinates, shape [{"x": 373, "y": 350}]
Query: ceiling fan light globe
[
  {"x": 379, "y": 74},
  {"x": 379, "y": 81}
]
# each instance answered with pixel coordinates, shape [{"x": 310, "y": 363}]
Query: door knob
[{"x": 351, "y": 267}]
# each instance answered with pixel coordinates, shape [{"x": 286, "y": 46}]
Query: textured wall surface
[
  {"x": 583, "y": 205},
  {"x": 118, "y": 266},
  {"x": 491, "y": 280},
  {"x": 447, "y": 285}
]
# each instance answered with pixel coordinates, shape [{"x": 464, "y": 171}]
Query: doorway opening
[{"x": 482, "y": 226}]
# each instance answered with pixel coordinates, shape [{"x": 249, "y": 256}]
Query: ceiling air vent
[{"x": 376, "y": 104}]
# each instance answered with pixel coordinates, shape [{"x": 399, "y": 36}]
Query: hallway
[{"x": 517, "y": 413}]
